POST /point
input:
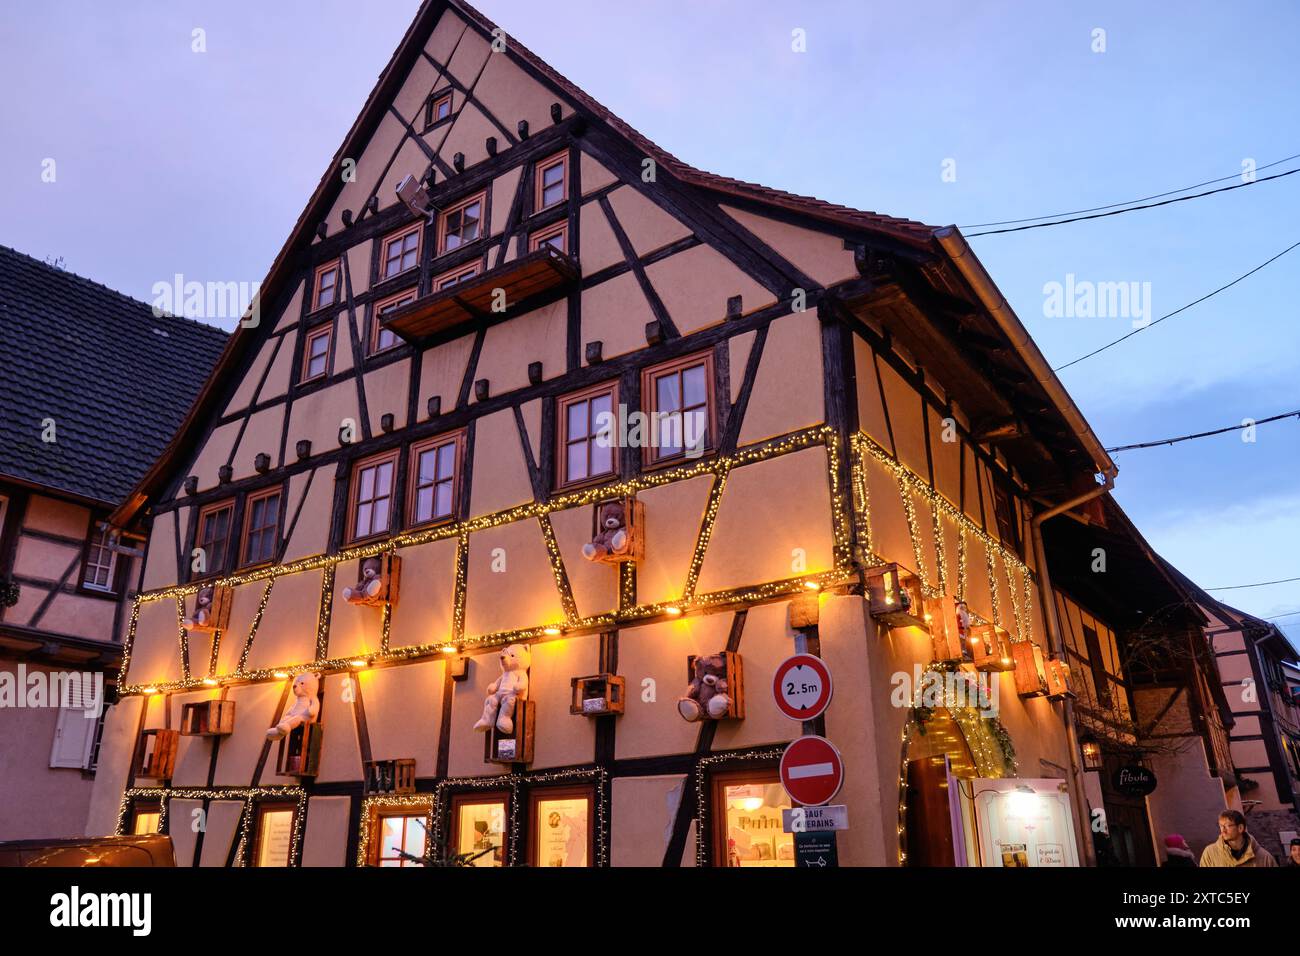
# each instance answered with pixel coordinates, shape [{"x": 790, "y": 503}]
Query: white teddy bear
[
  {"x": 306, "y": 705},
  {"x": 512, "y": 685}
]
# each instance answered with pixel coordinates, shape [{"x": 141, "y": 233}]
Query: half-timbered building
[
  {"x": 539, "y": 414},
  {"x": 93, "y": 386}
]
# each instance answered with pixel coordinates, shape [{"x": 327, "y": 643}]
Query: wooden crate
[
  {"x": 217, "y": 615},
  {"x": 991, "y": 648},
  {"x": 950, "y": 631},
  {"x": 389, "y": 572},
  {"x": 155, "y": 753},
  {"x": 734, "y": 673},
  {"x": 634, "y": 517},
  {"x": 518, "y": 746},
  {"x": 598, "y": 695},
  {"x": 299, "y": 753},
  {"x": 208, "y": 718},
  {"x": 1058, "y": 679},
  {"x": 895, "y": 597},
  {"x": 1031, "y": 672},
  {"x": 390, "y": 776}
]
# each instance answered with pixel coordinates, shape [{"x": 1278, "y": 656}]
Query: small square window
[
  {"x": 679, "y": 400},
  {"x": 101, "y": 560},
  {"x": 383, "y": 338},
  {"x": 399, "y": 838},
  {"x": 401, "y": 252},
  {"x": 325, "y": 290},
  {"x": 371, "y": 505},
  {"x": 435, "y": 479},
  {"x": 455, "y": 277},
  {"x": 552, "y": 186},
  {"x": 261, "y": 527},
  {"x": 316, "y": 352},
  {"x": 586, "y": 435},
  {"x": 214, "y": 536},
  {"x": 439, "y": 108},
  {"x": 556, "y": 236},
  {"x": 145, "y": 818},
  {"x": 461, "y": 224}
]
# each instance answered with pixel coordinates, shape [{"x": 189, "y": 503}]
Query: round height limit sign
[{"x": 802, "y": 687}]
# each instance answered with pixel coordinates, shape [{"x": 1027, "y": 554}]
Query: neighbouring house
[
  {"x": 93, "y": 387},
  {"x": 830, "y": 434},
  {"x": 1258, "y": 666}
]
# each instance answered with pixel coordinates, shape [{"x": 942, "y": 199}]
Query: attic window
[
  {"x": 101, "y": 560},
  {"x": 438, "y": 109},
  {"x": 552, "y": 181},
  {"x": 461, "y": 224},
  {"x": 326, "y": 288}
]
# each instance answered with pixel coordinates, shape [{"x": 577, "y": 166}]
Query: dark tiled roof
[{"x": 116, "y": 380}]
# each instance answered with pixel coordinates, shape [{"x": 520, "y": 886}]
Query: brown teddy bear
[
  {"x": 613, "y": 536},
  {"x": 201, "y": 619},
  {"x": 371, "y": 583},
  {"x": 707, "y": 696}
]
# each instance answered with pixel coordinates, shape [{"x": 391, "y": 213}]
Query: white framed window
[{"x": 101, "y": 559}]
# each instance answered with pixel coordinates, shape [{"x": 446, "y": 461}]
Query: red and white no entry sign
[
  {"x": 802, "y": 686},
  {"x": 812, "y": 771}
]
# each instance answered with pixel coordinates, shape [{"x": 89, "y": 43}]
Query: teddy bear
[
  {"x": 707, "y": 696},
  {"x": 305, "y": 707},
  {"x": 613, "y": 536},
  {"x": 963, "y": 627},
  {"x": 202, "y": 609},
  {"x": 512, "y": 685},
  {"x": 369, "y": 585}
]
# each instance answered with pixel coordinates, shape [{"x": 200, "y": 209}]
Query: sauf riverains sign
[{"x": 1133, "y": 780}]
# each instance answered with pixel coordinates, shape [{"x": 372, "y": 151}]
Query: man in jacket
[{"x": 1235, "y": 846}]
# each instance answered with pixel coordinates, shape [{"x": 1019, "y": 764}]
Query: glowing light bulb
[
  {"x": 552, "y": 632},
  {"x": 359, "y": 662},
  {"x": 448, "y": 648},
  {"x": 812, "y": 585},
  {"x": 673, "y": 611},
  {"x": 281, "y": 674}
]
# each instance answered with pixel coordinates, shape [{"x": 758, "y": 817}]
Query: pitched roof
[
  {"x": 913, "y": 233},
  {"x": 116, "y": 380}
]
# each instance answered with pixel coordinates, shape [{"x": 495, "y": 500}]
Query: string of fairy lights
[
  {"x": 842, "y": 572},
  {"x": 990, "y": 747},
  {"x": 248, "y": 796}
]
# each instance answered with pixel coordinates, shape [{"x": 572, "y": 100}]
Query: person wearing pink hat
[{"x": 1177, "y": 852}]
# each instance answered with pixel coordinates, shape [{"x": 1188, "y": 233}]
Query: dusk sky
[{"x": 171, "y": 161}]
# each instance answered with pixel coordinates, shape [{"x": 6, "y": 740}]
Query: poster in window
[
  {"x": 275, "y": 836},
  {"x": 755, "y": 836},
  {"x": 482, "y": 832},
  {"x": 1024, "y": 822},
  {"x": 562, "y": 831}
]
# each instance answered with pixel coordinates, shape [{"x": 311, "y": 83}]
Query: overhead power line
[
  {"x": 1115, "y": 205},
  {"x": 1217, "y": 431},
  {"x": 1257, "y": 584},
  {"x": 1153, "y": 205},
  {"x": 1184, "y": 308}
]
